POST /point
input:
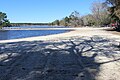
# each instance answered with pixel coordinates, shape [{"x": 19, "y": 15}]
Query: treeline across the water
[{"x": 28, "y": 24}]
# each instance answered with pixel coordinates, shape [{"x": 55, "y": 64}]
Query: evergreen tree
[{"x": 3, "y": 20}]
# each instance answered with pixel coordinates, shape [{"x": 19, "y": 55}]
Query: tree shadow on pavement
[{"x": 66, "y": 59}]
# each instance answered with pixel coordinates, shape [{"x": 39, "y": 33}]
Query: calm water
[{"x": 15, "y": 34}]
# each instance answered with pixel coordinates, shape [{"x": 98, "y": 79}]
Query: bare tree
[{"x": 99, "y": 12}]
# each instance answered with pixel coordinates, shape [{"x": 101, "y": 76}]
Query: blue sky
[{"x": 43, "y": 10}]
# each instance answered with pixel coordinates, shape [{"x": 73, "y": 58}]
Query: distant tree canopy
[
  {"x": 73, "y": 20},
  {"x": 56, "y": 22},
  {"x": 98, "y": 17},
  {"x": 88, "y": 20},
  {"x": 65, "y": 21},
  {"x": 3, "y": 20},
  {"x": 28, "y": 24}
]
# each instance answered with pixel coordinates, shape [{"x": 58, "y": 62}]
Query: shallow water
[{"x": 15, "y": 34}]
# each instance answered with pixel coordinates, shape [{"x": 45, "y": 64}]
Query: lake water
[{"x": 16, "y": 34}]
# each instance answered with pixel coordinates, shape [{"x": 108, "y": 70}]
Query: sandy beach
[
  {"x": 75, "y": 32},
  {"x": 81, "y": 54}
]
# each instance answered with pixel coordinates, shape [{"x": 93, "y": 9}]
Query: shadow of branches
[{"x": 66, "y": 59}]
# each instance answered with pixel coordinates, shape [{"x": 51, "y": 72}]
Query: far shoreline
[{"x": 79, "y": 32}]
